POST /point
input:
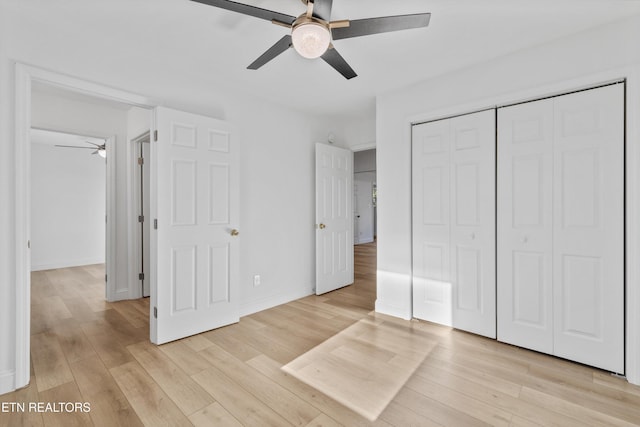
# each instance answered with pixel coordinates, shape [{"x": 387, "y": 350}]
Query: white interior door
[
  {"x": 334, "y": 218},
  {"x": 363, "y": 202},
  {"x": 454, "y": 222},
  {"x": 561, "y": 226},
  {"x": 146, "y": 224},
  {"x": 431, "y": 164},
  {"x": 525, "y": 225},
  {"x": 473, "y": 222},
  {"x": 588, "y": 217},
  {"x": 196, "y": 241}
]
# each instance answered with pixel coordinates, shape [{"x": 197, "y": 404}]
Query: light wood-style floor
[{"x": 87, "y": 350}]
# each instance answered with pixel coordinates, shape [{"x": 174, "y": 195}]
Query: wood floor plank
[
  {"x": 49, "y": 364},
  {"x": 245, "y": 407},
  {"x": 336, "y": 410},
  {"x": 74, "y": 342},
  {"x": 185, "y": 357},
  {"x": 583, "y": 414},
  {"x": 16, "y": 416},
  {"x": 288, "y": 405},
  {"x": 151, "y": 403},
  {"x": 214, "y": 415},
  {"x": 179, "y": 386},
  {"x": 323, "y": 420},
  {"x": 109, "y": 406},
  {"x": 65, "y": 393}
]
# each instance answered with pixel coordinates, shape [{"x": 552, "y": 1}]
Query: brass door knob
[
  {"x": 322, "y": 226},
  {"x": 234, "y": 232}
]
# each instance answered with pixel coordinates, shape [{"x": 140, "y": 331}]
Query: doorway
[
  {"x": 365, "y": 220},
  {"x": 141, "y": 200},
  {"x": 364, "y": 196}
]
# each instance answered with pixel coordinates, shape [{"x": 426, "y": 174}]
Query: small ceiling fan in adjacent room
[
  {"x": 313, "y": 32},
  {"x": 99, "y": 149}
]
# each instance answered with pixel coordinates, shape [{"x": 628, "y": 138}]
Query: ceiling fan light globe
[
  {"x": 311, "y": 39},
  {"x": 102, "y": 153}
]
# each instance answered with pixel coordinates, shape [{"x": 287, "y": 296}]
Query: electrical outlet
[{"x": 256, "y": 280}]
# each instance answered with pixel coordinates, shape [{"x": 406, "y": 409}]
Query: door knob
[
  {"x": 525, "y": 239},
  {"x": 473, "y": 236},
  {"x": 322, "y": 226},
  {"x": 234, "y": 232}
]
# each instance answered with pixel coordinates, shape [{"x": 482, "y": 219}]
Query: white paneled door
[
  {"x": 196, "y": 241},
  {"x": 561, "y": 232},
  {"x": 454, "y": 222},
  {"x": 525, "y": 234},
  {"x": 334, "y": 218}
]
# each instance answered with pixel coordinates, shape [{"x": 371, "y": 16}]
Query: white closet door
[
  {"x": 454, "y": 222},
  {"x": 588, "y": 227},
  {"x": 525, "y": 167},
  {"x": 473, "y": 233},
  {"x": 431, "y": 227}
]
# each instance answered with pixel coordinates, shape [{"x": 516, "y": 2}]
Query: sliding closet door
[
  {"x": 588, "y": 241},
  {"x": 454, "y": 222},
  {"x": 525, "y": 235}
]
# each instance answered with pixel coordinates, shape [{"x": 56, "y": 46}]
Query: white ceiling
[
  {"x": 47, "y": 137},
  {"x": 209, "y": 48}
]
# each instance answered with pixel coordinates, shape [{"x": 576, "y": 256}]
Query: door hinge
[
  {"x": 140, "y": 276},
  {"x": 29, "y": 244},
  {"x": 155, "y": 135},
  {"x": 105, "y": 277},
  {"x": 155, "y": 312},
  {"x": 140, "y": 218},
  {"x": 140, "y": 161},
  {"x": 155, "y": 224}
]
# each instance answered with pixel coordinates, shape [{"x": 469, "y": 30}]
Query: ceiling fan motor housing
[{"x": 311, "y": 36}]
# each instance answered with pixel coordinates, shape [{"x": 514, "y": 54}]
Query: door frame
[
  {"x": 133, "y": 198},
  {"x": 25, "y": 75},
  {"x": 631, "y": 76}
]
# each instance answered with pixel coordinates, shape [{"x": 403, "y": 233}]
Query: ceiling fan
[
  {"x": 312, "y": 32},
  {"x": 100, "y": 149}
]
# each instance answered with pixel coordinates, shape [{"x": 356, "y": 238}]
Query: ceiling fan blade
[
  {"x": 75, "y": 146},
  {"x": 333, "y": 58},
  {"x": 93, "y": 143},
  {"x": 322, "y": 9},
  {"x": 245, "y": 9},
  {"x": 95, "y": 152},
  {"x": 281, "y": 45},
  {"x": 384, "y": 24}
]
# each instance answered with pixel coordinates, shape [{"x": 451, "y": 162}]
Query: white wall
[
  {"x": 67, "y": 207},
  {"x": 277, "y": 167},
  {"x": 537, "y": 72},
  {"x": 364, "y": 161}
]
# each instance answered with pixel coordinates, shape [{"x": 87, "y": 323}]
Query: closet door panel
[
  {"x": 473, "y": 222},
  {"x": 589, "y": 227},
  {"x": 524, "y": 217},
  {"x": 431, "y": 224}
]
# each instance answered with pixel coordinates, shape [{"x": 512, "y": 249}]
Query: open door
[
  {"x": 194, "y": 241},
  {"x": 334, "y": 218}
]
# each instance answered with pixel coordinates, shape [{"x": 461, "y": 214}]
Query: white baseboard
[
  {"x": 67, "y": 263},
  {"x": 391, "y": 310},
  {"x": 251, "y": 307},
  {"x": 7, "y": 381}
]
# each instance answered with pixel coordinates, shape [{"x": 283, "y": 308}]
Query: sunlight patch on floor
[{"x": 364, "y": 366}]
